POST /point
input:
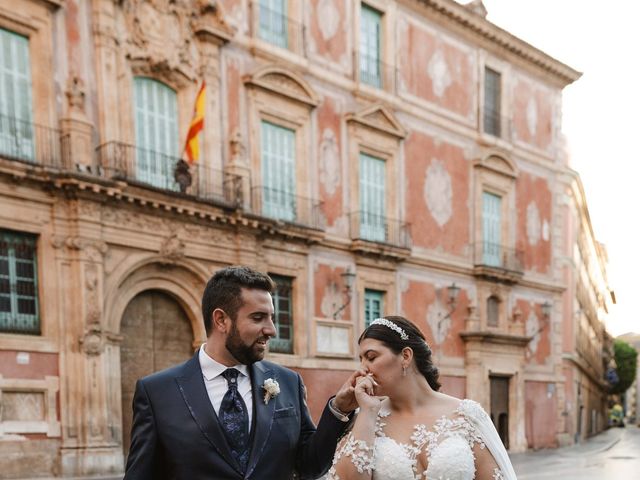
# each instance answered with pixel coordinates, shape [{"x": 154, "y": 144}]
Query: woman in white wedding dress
[{"x": 405, "y": 429}]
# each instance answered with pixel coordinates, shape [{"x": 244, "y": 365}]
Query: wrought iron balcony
[
  {"x": 379, "y": 229},
  {"x": 278, "y": 29},
  {"x": 497, "y": 125},
  {"x": 497, "y": 261},
  {"x": 29, "y": 142},
  {"x": 373, "y": 71},
  {"x": 120, "y": 161},
  {"x": 285, "y": 207}
]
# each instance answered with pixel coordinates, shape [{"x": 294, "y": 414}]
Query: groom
[{"x": 226, "y": 413}]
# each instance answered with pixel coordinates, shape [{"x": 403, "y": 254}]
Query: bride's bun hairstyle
[{"x": 397, "y": 333}]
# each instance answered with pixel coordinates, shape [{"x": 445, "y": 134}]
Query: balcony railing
[
  {"x": 500, "y": 126},
  {"x": 379, "y": 229},
  {"x": 286, "y": 207},
  {"x": 497, "y": 256},
  {"x": 278, "y": 29},
  {"x": 373, "y": 71},
  {"x": 121, "y": 161},
  {"x": 29, "y": 142}
]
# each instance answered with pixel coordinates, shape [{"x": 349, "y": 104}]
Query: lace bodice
[{"x": 448, "y": 446}]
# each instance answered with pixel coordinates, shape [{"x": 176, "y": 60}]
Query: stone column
[
  {"x": 106, "y": 63},
  {"x": 76, "y": 129},
  {"x": 90, "y": 440},
  {"x": 212, "y": 33}
]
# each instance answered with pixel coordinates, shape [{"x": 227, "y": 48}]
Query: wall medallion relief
[
  {"x": 329, "y": 19},
  {"x": 534, "y": 226},
  {"x": 532, "y": 116},
  {"x": 329, "y": 161},
  {"x": 438, "y": 192},
  {"x": 532, "y": 329},
  {"x": 439, "y": 73}
]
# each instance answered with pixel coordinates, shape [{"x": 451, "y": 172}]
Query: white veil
[{"x": 492, "y": 441}]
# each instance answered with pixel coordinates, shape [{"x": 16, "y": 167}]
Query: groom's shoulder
[
  {"x": 282, "y": 372},
  {"x": 168, "y": 374}
]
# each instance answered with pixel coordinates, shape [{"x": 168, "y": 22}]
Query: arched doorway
[{"x": 156, "y": 334}]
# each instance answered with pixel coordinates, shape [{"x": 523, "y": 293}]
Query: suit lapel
[
  {"x": 263, "y": 414},
  {"x": 194, "y": 392}
]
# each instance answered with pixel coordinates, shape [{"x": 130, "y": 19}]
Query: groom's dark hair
[{"x": 224, "y": 291}]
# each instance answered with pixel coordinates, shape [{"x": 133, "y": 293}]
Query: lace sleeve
[{"x": 359, "y": 452}]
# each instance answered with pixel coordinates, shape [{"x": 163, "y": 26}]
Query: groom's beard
[{"x": 245, "y": 354}]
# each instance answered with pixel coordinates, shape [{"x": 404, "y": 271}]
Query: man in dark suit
[{"x": 226, "y": 413}]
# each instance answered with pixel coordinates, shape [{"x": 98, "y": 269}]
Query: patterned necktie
[{"x": 234, "y": 419}]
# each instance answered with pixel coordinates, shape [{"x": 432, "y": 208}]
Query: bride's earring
[{"x": 404, "y": 371}]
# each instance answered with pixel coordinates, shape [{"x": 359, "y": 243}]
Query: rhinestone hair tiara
[{"x": 392, "y": 326}]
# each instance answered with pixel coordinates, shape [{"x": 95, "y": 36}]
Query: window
[
  {"x": 18, "y": 284},
  {"x": 273, "y": 22},
  {"x": 491, "y": 229},
  {"x": 373, "y": 306},
  {"x": 370, "y": 39},
  {"x": 492, "y": 102},
  {"x": 278, "y": 171},
  {"x": 282, "y": 342},
  {"x": 16, "y": 128},
  {"x": 493, "y": 305},
  {"x": 156, "y": 129},
  {"x": 372, "y": 196}
]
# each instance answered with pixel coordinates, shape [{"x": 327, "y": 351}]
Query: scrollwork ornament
[{"x": 92, "y": 341}]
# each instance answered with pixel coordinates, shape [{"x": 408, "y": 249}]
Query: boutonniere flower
[{"x": 271, "y": 389}]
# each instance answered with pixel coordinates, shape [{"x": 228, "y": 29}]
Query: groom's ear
[{"x": 220, "y": 320}]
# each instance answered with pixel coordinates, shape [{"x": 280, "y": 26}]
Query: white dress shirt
[{"x": 217, "y": 385}]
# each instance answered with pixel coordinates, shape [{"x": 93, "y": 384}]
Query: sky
[{"x": 600, "y": 118}]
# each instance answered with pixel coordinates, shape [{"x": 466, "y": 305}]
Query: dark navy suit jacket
[{"x": 176, "y": 434}]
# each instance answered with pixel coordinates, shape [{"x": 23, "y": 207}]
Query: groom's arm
[
  {"x": 142, "y": 460},
  {"x": 317, "y": 445}
]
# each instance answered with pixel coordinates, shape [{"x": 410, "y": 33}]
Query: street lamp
[
  {"x": 347, "y": 279},
  {"x": 452, "y": 291},
  {"x": 546, "y": 309}
]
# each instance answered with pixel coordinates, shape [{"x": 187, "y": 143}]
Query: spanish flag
[{"x": 192, "y": 146}]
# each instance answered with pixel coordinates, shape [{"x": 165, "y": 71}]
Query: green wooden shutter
[
  {"x": 278, "y": 171},
  {"x": 273, "y": 22},
  {"x": 18, "y": 284},
  {"x": 492, "y": 102},
  {"x": 491, "y": 229},
  {"x": 282, "y": 342},
  {"x": 372, "y": 196},
  {"x": 16, "y": 122},
  {"x": 156, "y": 126},
  {"x": 373, "y": 307},
  {"x": 370, "y": 39}
]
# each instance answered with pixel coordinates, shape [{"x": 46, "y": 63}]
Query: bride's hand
[{"x": 365, "y": 394}]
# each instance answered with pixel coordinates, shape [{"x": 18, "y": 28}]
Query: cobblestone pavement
[{"x": 613, "y": 454}]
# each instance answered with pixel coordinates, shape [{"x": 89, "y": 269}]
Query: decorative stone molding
[
  {"x": 209, "y": 23},
  {"x": 379, "y": 118},
  {"x": 172, "y": 249},
  {"x": 145, "y": 29},
  {"x": 496, "y": 162},
  {"x": 283, "y": 82},
  {"x": 92, "y": 341}
]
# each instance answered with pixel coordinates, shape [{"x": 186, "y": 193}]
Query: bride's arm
[
  {"x": 486, "y": 466},
  {"x": 354, "y": 458}
]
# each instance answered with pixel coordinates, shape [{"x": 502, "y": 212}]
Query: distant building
[
  {"x": 587, "y": 348},
  {"x": 412, "y": 144}
]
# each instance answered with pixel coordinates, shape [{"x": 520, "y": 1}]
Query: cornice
[
  {"x": 484, "y": 336},
  {"x": 465, "y": 18}
]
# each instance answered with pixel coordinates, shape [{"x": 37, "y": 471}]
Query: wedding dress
[{"x": 448, "y": 446}]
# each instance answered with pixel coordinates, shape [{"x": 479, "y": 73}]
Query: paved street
[{"x": 614, "y": 454}]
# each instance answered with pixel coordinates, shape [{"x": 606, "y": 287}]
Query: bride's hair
[{"x": 416, "y": 341}]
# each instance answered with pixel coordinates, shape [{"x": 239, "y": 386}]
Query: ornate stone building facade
[{"x": 410, "y": 143}]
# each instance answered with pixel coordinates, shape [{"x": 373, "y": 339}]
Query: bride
[{"x": 405, "y": 428}]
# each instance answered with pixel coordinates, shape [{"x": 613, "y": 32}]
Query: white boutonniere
[{"x": 271, "y": 389}]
